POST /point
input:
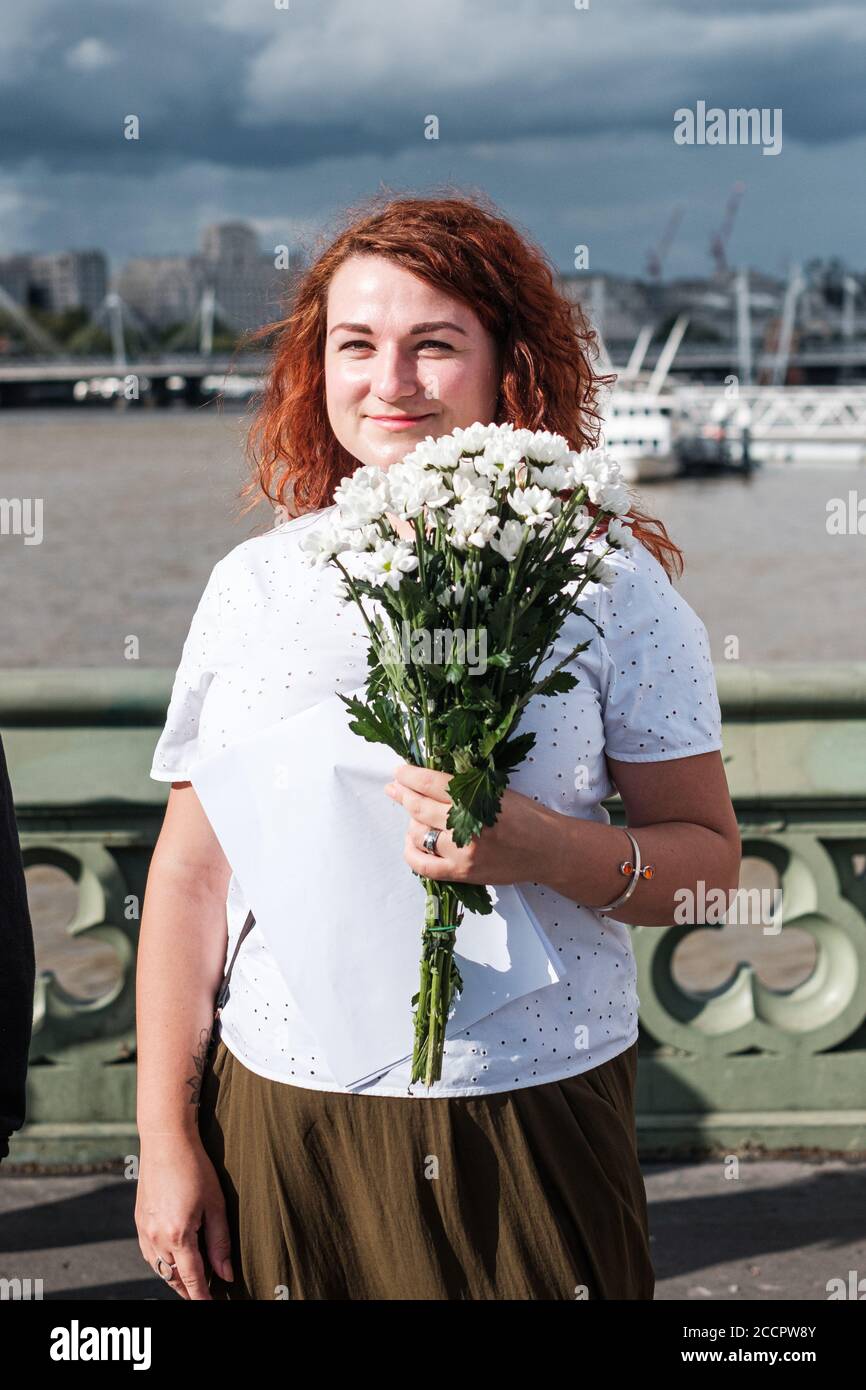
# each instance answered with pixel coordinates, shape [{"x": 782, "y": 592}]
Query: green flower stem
[
  {"x": 539, "y": 660},
  {"x": 420, "y": 542},
  {"x": 374, "y": 636},
  {"x": 539, "y": 688},
  {"x": 509, "y": 590},
  {"x": 475, "y": 566},
  {"x": 435, "y": 989},
  {"x": 440, "y": 980},
  {"x": 428, "y": 738},
  {"x": 558, "y": 532}
]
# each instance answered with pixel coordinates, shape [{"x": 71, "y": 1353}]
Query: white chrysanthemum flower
[
  {"x": 360, "y": 538},
  {"x": 466, "y": 520},
  {"x": 556, "y": 476},
  {"x": 323, "y": 542},
  {"x": 619, "y": 533},
  {"x": 389, "y": 562},
  {"x": 510, "y": 539},
  {"x": 611, "y": 497},
  {"x": 534, "y": 504},
  {"x": 601, "y": 572},
  {"x": 363, "y": 497},
  {"x": 500, "y": 460},
  {"x": 412, "y": 488},
  {"x": 595, "y": 466},
  {"x": 474, "y": 437},
  {"x": 437, "y": 493},
  {"x": 468, "y": 512},
  {"x": 441, "y": 453},
  {"x": 518, "y": 439},
  {"x": 545, "y": 447},
  {"x": 483, "y": 532},
  {"x": 466, "y": 480}
]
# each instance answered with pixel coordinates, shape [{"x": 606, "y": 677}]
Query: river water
[{"x": 137, "y": 507}]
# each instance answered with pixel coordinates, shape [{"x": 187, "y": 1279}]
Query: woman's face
[{"x": 402, "y": 360}]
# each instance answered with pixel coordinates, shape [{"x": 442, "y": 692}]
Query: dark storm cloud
[
  {"x": 245, "y": 86},
  {"x": 565, "y": 117}
]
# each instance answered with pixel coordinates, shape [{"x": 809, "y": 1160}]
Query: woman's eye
[{"x": 428, "y": 342}]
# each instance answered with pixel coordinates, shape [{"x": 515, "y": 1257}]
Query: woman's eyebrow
[{"x": 416, "y": 328}]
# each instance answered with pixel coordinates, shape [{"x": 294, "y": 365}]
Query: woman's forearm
[
  {"x": 580, "y": 859},
  {"x": 181, "y": 955}
]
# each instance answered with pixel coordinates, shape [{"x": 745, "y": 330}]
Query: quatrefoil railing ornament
[
  {"x": 101, "y": 1029},
  {"x": 819, "y": 1013}
]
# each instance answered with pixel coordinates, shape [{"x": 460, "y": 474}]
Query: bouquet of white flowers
[{"x": 462, "y": 616}]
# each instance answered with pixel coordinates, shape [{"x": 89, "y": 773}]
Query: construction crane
[
  {"x": 719, "y": 240},
  {"x": 656, "y": 254}
]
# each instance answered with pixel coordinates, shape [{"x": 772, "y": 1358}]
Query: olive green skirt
[{"x": 535, "y": 1193}]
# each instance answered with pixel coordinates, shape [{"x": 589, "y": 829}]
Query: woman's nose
[{"x": 395, "y": 374}]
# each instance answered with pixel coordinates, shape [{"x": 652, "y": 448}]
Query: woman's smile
[{"x": 398, "y": 422}]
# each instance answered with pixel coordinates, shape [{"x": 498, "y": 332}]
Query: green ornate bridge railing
[{"x": 761, "y": 1044}]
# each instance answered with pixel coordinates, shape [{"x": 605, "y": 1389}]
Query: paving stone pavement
[{"x": 770, "y": 1230}]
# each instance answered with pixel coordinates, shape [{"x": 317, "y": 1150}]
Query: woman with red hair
[{"x": 516, "y": 1175}]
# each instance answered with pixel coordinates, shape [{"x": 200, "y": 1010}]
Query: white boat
[{"x": 639, "y": 431}]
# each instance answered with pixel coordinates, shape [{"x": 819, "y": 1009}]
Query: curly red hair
[{"x": 463, "y": 246}]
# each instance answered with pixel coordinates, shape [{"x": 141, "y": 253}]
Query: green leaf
[
  {"x": 377, "y": 723},
  {"x": 511, "y": 753},
  {"x": 477, "y": 797},
  {"x": 473, "y": 896},
  {"x": 462, "y": 824},
  {"x": 459, "y": 723},
  {"x": 495, "y": 735},
  {"x": 558, "y": 684}
]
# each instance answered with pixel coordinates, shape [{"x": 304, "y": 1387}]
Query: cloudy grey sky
[{"x": 282, "y": 116}]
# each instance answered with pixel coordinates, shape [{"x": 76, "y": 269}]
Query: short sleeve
[
  {"x": 659, "y": 694},
  {"x": 176, "y": 749}
]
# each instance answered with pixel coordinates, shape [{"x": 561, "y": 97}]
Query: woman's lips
[{"x": 399, "y": 422}]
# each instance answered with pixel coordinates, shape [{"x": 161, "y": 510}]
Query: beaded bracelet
[{"x": 635, "y": 871}]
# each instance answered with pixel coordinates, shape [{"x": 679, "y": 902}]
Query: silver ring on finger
[
  {"x": 429, "y": 844},
  {"x": 167, "y": 1277}
]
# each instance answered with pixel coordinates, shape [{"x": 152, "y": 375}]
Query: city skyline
[{"x": 247, "y": 285}]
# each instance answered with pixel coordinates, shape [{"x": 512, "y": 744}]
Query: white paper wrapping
[{"x": 317, "y": 847}]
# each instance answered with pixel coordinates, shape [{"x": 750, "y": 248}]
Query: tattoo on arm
[{"x": 199, "y": 1060}]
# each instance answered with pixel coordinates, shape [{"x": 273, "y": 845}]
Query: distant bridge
[{"x": 155, "y": 368}]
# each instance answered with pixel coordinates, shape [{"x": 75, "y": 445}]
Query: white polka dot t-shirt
[{"x": 271, "y": 637}]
